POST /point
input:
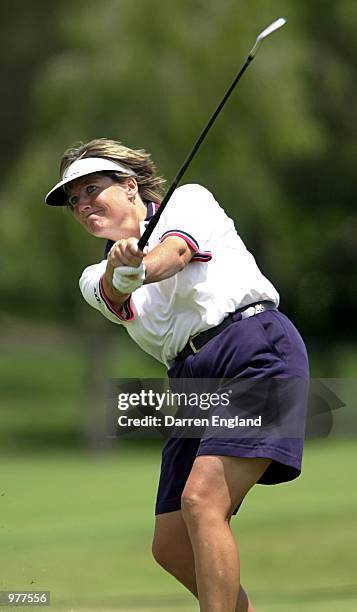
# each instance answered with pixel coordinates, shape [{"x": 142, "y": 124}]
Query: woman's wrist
[{"x": 112, "y": 294}]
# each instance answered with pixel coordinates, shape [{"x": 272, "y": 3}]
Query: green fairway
[{"x": 80, "y": 526}]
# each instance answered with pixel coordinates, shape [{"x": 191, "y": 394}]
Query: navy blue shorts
[{"x": 266, "y": 346}]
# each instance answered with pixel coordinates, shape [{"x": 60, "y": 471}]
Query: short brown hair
[{"x": 149, "y": 184}]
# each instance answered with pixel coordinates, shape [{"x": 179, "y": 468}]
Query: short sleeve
[{"x": 190, "y": 214}]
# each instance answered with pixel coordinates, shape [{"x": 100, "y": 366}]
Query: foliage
[{"x": 280, "y": 158}]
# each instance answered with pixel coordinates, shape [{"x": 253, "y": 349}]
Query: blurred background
[{"x": 76, "y": 512}]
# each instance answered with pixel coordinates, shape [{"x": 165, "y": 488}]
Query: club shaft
[{"x": 154, "y": 220}]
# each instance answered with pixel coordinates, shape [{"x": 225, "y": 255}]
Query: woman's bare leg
[
  {"x": 172, "y": 549},
  {"x": 215, "y": 486}
]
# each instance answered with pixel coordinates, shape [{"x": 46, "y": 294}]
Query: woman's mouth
[{"x": 92, "y": 212}]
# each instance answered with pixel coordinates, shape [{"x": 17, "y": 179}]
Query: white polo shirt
[{"x": 221, "y": 277}]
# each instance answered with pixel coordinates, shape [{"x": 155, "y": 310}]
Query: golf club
[{"x": 154, "y": 220}]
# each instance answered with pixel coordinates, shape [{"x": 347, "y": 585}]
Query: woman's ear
[{"x": 132, "y": 188}]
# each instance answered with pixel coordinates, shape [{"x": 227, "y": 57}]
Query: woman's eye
[
  {"x": 73, "y": 201},
  {"x": 91, "y": 188}
]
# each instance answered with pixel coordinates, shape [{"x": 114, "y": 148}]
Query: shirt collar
[{"x": 151, "y": 208}]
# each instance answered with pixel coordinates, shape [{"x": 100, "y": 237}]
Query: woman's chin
[
  {"x": 102, "y": 232},
  {"x": 96, "y": 227}
]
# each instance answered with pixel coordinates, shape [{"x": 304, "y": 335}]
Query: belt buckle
[
  {"x": 192, "y": 346},
  {"x": 259, "y": 308}
]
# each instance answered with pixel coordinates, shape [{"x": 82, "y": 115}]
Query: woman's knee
[
  {"x": 161, "y": 552},
  {"x": 193, "y": 505},
  {"x": 199, "y": 509},
  {"x": 205, "y": 496},
  {"x": 217, "y": 485},
  {"x": 171, "y": 547}
]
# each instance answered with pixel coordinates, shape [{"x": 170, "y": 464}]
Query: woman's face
[{"x": 105, "y": 208}]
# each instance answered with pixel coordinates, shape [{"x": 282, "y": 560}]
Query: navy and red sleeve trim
[
  {"x": 201, "y": 256},
  {"x": 125, "y": 314},
  {"x": 190, "y": 240}
]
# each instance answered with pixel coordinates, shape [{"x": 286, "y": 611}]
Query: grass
[
  {"x": 80, "y": 526},
  {"x": 53, "y": 383}
]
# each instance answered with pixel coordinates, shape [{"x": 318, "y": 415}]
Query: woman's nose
[{"x": 83, "y": 203}]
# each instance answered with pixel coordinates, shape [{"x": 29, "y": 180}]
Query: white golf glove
[{"x": 123, "y": 283}]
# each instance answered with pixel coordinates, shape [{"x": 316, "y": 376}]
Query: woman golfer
[{"x": 197, "y": 301}]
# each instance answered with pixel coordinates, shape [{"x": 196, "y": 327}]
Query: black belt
[{"x": 196, "y": 342}]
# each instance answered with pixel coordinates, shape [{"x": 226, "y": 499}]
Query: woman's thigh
[{"x": 218, "y": 484}]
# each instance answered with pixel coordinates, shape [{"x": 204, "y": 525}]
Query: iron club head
[{"x": 269, "y": 30}]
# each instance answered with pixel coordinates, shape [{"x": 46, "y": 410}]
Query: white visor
[{"x": 87, "y": 165}]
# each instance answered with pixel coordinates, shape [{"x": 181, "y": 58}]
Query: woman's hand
[
  {"x": 125, "y": 270},
  {"x": 127, "y": 279},
  {"x": 125, "y": 252}
]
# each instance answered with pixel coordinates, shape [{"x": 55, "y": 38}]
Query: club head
[
  {"x": 278, "y": 23},
  {"x": 270, "y": 29}
]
